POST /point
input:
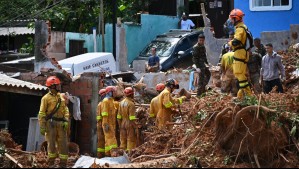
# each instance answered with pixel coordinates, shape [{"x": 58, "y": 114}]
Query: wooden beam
[{"x": 13, "y": 160}]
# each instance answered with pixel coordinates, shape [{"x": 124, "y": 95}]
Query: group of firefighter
[
  {"x": 124, "y": 112},
  {"x": 54, "y": 114}
]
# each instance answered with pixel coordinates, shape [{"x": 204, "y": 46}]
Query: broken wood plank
[
  {"x": 152, "y": 157},
  {"x": 20, "y": 151},
  {"x": 13, "y": 160}
]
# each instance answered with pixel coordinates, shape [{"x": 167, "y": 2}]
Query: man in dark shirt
[
  {"x": 254, "y": 66},
  {"x": 200, "y": 60},
  {"x": 153, "y": 64},
  {"x": 259, "y": 47}
]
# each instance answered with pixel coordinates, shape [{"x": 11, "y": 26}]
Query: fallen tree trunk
[{"x": 161, "y": 163}]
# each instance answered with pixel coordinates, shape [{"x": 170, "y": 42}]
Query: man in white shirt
[{"x": 186, "y": 24}]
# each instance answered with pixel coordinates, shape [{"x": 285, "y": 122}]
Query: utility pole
[
  {"x": 102, "y": 26},
  {"x": 114, "y": 4}
]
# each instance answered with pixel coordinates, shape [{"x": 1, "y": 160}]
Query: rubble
[{"x": 14, "y": 156}]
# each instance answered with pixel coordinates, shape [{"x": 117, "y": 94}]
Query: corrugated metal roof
[
  {"x": 5, "y": 31},
  {"x": 11, "y": 82}
]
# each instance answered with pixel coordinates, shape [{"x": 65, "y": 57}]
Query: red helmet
[
  {"x": 128, "y": 91},
  {"x": 172, "y": 83},
  {"x": 236, "y": 15},
  {"x": 160, "y": 87},
  {"x": 52, "y": 80},
  {"x": 110, "y": 89},
  {"x": 102, "y": 92}
]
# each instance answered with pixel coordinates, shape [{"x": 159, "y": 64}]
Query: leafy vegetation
[{"x": 69, "y": 15}]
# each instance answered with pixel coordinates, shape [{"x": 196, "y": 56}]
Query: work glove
[
  {"x": 65, "y": 126},
  {"x": 42, "y": 131}
]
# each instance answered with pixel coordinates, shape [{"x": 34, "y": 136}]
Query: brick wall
[{"x": 81, "y": 88}]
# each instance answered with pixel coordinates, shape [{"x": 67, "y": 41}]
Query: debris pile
[{"x": 13, "y": 156}]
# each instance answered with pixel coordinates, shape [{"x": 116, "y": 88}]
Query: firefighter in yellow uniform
[
  {"x": 153, "y": 110},
  {"x": 166, "y": 103},
  {"x": 241, "y": 55},
  {"x": 108, "y": 112},
  {"x": 126, "y": 120},
  {"x": 228, "y": 82},
  {"x": 53, "y": 119},
  {"x": 101, "y": 137}
]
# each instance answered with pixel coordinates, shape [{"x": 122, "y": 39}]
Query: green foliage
[
  {"x": 248, "y": 101},
  {"x": 28, "y": 47},
  {"x": 201, "y": 115},
  {"x": 69, "y": 15},
  {"x": 2, "y": 150},
  {"x": 226, "y": 160}
]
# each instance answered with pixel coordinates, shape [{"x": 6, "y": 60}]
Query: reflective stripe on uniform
[
  {"x": 152, "y": 115},
  {"x": 63, "y": 157},
  {"x": 243, "y": 84},
  {"x": 101, "y": 150},
  {"x": 42, "y": 114},
  {"x": 108, "y": 148},
  {"x": 132, "y": 117},
  {"x": 168, "y": 105},
  {"x": 99, "y": 118},
  {"x": 52, "y": 155},
  {"x": 104, "y": 113},
  {"x": 119, "y": 117}
]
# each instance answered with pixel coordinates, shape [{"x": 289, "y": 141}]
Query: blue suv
[{"x": 174, "y": 48}]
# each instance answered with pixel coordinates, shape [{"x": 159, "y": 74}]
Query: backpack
[{"x": 249, "y": 39}]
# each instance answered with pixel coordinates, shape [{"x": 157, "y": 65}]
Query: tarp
[{"x": 86, "y": 161}]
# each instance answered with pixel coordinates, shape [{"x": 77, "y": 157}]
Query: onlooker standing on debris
[
  {"x": 186, "y": 24},
  {"x": 201, "y": 62},
  {"x": 127, "y": 121},
  {"x": 229, "y": 81},
  {"x": 101, "y": 136},
  {"x": 53, "y": 119},
  {"x": 259, "y": 47},
  {"x": 153, "y": 64},
  {"x": 153, "y": 110},
  {"x": 254, "y": 66},
  {"x": 272, "y": 72},
  {"x": 166, "y": 102},
  {"x": 241, "y": 55},
  {"x": 108, "y": 112}
]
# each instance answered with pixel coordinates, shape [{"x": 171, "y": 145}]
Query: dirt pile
[{"x": 221, "y": 132}]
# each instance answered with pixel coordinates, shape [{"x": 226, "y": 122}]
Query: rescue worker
[
  {"x": 53, "y": 120},
  {"x": 127, "y": 121},
  {"x": 108, "y": 112},
  {"x": 101, "y": 137},
  {"x": 153, "y": 110},
  {"x": 229, "y": 81},
  {"x": 166, "y": 103},
  {"x": 200, "y": 60},
  {"x": 254, "y": 66},
  {"x": 241, "y": 55},
  {"x": 259, "y": 47}
]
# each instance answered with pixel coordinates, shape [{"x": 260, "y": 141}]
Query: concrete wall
[
  {"x": 259, "y": 21},
  {"x": 137, "y": 35},
  {"x": 57, "y": 49},
  {"x": 281, "y": 40}
]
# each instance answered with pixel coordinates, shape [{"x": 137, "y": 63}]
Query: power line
[
  {"x": 11, "y": 20},
  {"x": 39, "y": 12},
  {"x": 24, "y": 8}
]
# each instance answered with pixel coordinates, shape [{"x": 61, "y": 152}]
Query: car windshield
[{"x": 164, "y": 48}]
